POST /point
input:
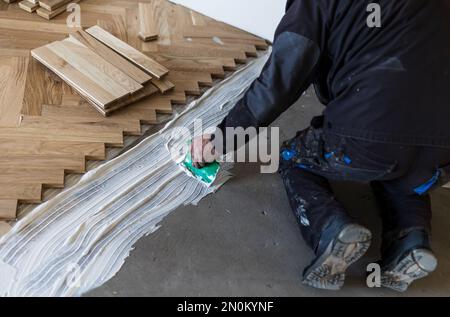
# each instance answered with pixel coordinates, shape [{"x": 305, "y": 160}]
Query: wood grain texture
[
  {"x": 146, "y": 92},
  {"x": 111, "y": 56},
  {"x": 112, "y": 138},
  {"x": 47, "y": 129},
  {"x": 28, "y": 6},
  {"x": 147, "y": 21},
  {"x": 49, "y": 14},
  {"x": 26, "y": 193},
  {"x": 52, "y": 5},
  {"x": 89, "y": 116},
  {"x": 13, "y": 72},
  {"x": 129, "y": 52},
  {"x": 41, "y": 87},
  {"x": 49, "y": 177},
  {"x": 106, "y": 66},
  {"x": 51, "y": 58},
  {"x": 71, "y": 164},
  {"x": 164, "y": 85},
  {"x": 94, "y": 66},
  {"x": 17, "y": 145},
  {"x": 8, "y": 209}
]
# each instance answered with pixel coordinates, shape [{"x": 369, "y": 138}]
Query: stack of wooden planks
[
  {"x": 147, "y": 18},
  {"x": 47, "y": 9},
  {"x": 107, "y": 72}
]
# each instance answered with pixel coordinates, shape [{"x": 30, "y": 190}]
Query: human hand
[{"x": 202, "y": 151}]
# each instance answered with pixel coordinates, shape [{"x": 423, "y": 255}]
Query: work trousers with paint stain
[{"x": 401, "y": 177}]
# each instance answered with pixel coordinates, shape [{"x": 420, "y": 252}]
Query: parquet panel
[{"x": 47, "y": 130}]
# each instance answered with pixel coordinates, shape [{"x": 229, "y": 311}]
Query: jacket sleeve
[{"x": 290, "y": 70}]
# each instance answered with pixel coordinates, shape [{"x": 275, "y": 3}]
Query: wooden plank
[
  {"x": 101, "y": 131},
  {"x": 129, "y": 127},
  {"x": 129, "y": 112},
  {"x": 52, "y": 5},
  {"x": 73, "y": 76},
  {"x": 250, "y": 50},
  {"x": 176, "y": 96},
  {"x": 43, "y": 13},
  {"x": 49, "y": 177},
  {"x": 8, "y": 209},
  {"x": 193, "y": 64},
  {"x": 129, "y": 52},
  {"x": 104, "y": 67},
  {"x": 26, "y": 40},
  {"x": 71, "y": 164},
  {"x": 50, "y": 14},
  {"x": 97, "y": 69},
  {"x": 42, "y": 87},
  {"x": 13, "y": 71},
  {"x": 203, "y": 78},
  {"x": 148, "y": 30},
  {"x": 42, "y": 26},
  {"x": 100, "y": 108},
  {"x": 28, "y": 6},
  {"x": 117, "y": 60},
  {"x": 190, "y": 87},
  {"x": 112, "y": 138},
  {"x": 26, "y": 193},
  {"x": 190, "y": 49},
  {"x": 87, "y": 113},
  {"x": 23, "y": 146},
  {"x": 146, "y": 92},
  {"x": 158, "y": 103},
  {"x": 220, "y": 31},
  {"x": 5, "y": 227},
  {"x": 164, "y": 85}
]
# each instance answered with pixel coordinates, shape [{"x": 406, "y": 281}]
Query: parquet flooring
[{"x": 46, "y": 129}]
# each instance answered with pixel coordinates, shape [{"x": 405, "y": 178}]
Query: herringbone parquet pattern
[{"x": 46, "y": 130}]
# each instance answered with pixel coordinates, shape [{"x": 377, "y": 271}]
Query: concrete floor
[{"x": 244, "y": 240}]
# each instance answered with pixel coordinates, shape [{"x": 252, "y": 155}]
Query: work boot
[
  {"x": 336, "y": 252},
  {"x": 407, "y": 259}
]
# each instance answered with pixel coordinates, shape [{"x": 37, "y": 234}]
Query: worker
[{"x": 382, "y": 68}]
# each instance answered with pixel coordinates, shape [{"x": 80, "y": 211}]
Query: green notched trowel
[{"x": 206, "y": 174}]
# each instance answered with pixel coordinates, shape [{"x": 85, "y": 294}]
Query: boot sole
[
  {"x": 417, "y": 264},
  {"x": 328, "y": 271}
]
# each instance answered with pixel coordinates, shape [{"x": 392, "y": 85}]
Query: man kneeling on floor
[{"x": 386, "y": 87}]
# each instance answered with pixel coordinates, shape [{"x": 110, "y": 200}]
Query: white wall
[{"x": 259, "y": 17}]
